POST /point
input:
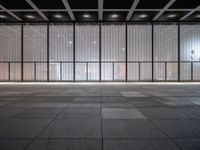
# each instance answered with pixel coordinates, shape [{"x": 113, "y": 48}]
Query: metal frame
[{"x": 126, "y": 62}]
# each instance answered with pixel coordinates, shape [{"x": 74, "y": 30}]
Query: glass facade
[{"x": 94, "y": 51}]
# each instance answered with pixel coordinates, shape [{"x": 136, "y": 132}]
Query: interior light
[
  {"x": 58, "y": 16},
  {"x": 143, "y": 16},
  {"x": 3, "y": 16},
  {"x": 86, "y": 16},
  {"x": 30, "y": 16},
  {"x": 94, "y": 42},
  {"x": 123, "y": 49},
  {"x": 114, "y": 15},
  {"x": 171, "y": 16},
  {"x": 70, "y": 42},
  {"x": 198, "y": 16}
]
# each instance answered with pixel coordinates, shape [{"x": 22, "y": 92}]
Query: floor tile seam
[
  {"x": 51, "y": 121},
  {"x": 171, "y": 139}
]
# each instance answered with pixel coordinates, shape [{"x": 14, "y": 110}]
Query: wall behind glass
[
  {"x": 189, "y": 51},
  {"x": 10, "y": 50},
  {"x": 35, "y": 50},
  {"x": 87, "y": 50},
  {"x": 139, "y": 52},
  {"x": 61, "y": 49},
  {"x": 165, "y": 49},
  {"x": 113, "y": 49}
]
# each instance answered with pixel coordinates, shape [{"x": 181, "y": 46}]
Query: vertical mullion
[
  {"x": 100, "y": 51},
  {"x": 152, "y": 34},
  {"x": 47, "y": 51},
  {"x": 22, "y": 52},
  {"x": 178, "y": 52},
  {"x": 74, "y": 67},
  {"x": 126, "y": 52},
  {"x": 9, "y": 71}
]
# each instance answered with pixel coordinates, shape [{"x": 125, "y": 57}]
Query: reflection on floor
[{"x": 99, "y": 117}]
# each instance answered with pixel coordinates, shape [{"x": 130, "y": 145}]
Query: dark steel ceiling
[{"x": 99, "y": 10}]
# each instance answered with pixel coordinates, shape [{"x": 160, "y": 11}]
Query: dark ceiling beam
[
  {"x": 10, "y": 13},
  {"x": 133, "y": 7},
  {"x": 100, "y": 9},
  {"x": 90, "y": 10},
  {"x": 164, "y": 9},
  {"x": 37, "y": 9},
  {"x": 69, "y": 10},
  {"x": 190, "y": 13}
]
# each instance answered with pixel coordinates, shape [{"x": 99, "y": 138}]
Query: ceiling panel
[
  {"x": 15, "y": 4},
  {"x": 178, "y": 4},
  {"x": 83, "y": 4},
  {"x": 49, "y": 4},
  {"x": 118, "y": 4},
  {"x": 152, "y": 4}
]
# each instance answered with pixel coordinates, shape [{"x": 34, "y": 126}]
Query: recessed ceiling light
[
  {"x": 58, "y": 16},
  {"x": 86, "y": 16},
  {"x": 198, "y": 16},
  {"x": 30, "y": 16},
  {"x": 114, "y": 15},
  {"x": 171, "y": 16},
  {"x": 143, "y": 16},
  {"x": 3, "y": 16},
  {"x": 123, "y": 49},
  {"x": 70, "y": 42},
  {"x": 94, "y": 42}
]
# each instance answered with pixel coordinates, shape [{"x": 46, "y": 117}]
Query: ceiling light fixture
[
  {"x": 86, "y": 16},
  {"x": 58, "y": 16},
  {"x": 143, "y": 16},
  {"x": 171, "y": 16},
  {"x": 3, "y": 16},
  {"x": 30, "y": 16},
  {"x": 198, "y": 16},
  {"x": 114, "y": 15}
]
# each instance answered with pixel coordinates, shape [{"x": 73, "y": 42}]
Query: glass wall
[
  {"x": 113, "y": 51},
  {"x": 35, "y": 52},
  {"x": 139, "y": 52},
  {"x": 190, "y": 51},
  {"x": 166, "y": 52},
  {"x": 87, "y": 51},
  {"x": 61, "y": 52},
  {"x": 96, "y": 51},
  {"x": 10, "y": 51}
]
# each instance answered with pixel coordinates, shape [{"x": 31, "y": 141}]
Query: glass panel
[
  {"x": 10, "y": 42},
  {"x": 185, "y": 71},
  {"x": 4, "y": 71},
  {"x": 146, "y": 71},
  {"x": 29, "y": 73},
  {"x": 107, "y": 71},
  {"x": 165, "y": 47},
  {"x": 159, "y": 71},
  {"x": 35, "y": 49},
  {"x": 93, "y": 71},
  {"x": 61, "y": 42},
  {"x": 196, "y": 71},
  {"x": 172, "y": 71},
  {"x": 67, "y": 71},
  {"x": 133, "y": 71},
  {"x": 87, "y": 42},
  {"x": 190, "y": 42}
]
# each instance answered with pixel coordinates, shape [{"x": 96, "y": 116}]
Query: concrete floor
[{"x": 100, "y": 116}]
